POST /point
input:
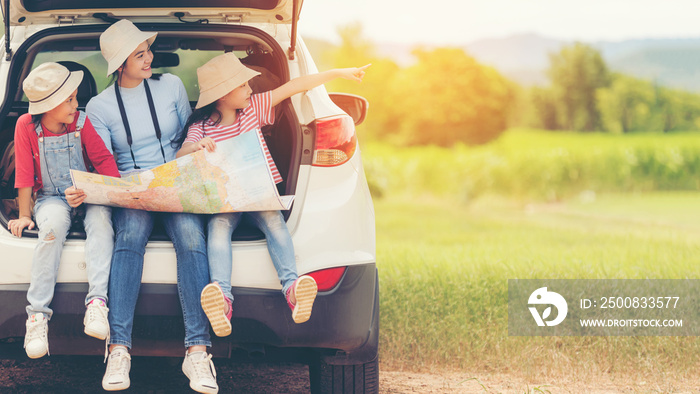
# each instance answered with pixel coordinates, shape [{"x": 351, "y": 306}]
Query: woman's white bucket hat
[{"x": 120, "y": 40}]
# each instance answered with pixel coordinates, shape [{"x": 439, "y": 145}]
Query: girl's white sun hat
[
  {"x": 49, "y": 85},
  {"x": 221, "y": 75}
]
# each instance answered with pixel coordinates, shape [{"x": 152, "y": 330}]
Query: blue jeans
[
  {"x": 53, "y": 218},
  {"x": 133, "y": 227},
  {"x": 279, "y": 244}
]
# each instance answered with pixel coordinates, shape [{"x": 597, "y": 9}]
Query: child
[
  {"x": 226, "y": 109},
  {"x": 49, "y": 141}
]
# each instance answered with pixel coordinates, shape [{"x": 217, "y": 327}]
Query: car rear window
[{"x": 89, "y": 56}]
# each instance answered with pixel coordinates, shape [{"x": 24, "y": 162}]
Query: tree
[
  {"x": 678, "y": 110},
  {"x": 355, "y": 51},
  {"x": 354, "y": 48},
  {"x": 444, "y": 98},
  {"x": 627, "y": 105},
  {"x": 447, "y": 97},
  {"x": 576, "y": 72},
  {"x": 545, "y": 107}
]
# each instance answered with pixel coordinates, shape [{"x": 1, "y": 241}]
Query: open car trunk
[
  {"x": 246, "y": 11},
  {"x": 178, "y": 49}
]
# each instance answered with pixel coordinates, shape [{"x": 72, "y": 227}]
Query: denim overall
[{"x": 57, "y": 155}]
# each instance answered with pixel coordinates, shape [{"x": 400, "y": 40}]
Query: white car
[{"x": 313, "y": 143}]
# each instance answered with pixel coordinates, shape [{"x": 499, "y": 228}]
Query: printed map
[{"x": 235, "y": 177}]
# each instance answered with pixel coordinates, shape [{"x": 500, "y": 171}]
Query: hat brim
[
  {"x": 58, "y": 96},
  {"x": 212, "y": 94},
  {"x": 130, "y": 44}
]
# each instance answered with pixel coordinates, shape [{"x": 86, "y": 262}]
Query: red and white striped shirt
[{"x": 259, "y": 113}]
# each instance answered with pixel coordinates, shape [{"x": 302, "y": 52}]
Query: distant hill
[
  {"x": 673, "y": 67},
  {"x": 525, "y": 51},
  {"x": 524, "y": 58}
]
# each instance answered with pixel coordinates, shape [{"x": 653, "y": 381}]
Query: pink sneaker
[
  {"x": 214, "y": 303},
  {"x": 303, "y": 293}
]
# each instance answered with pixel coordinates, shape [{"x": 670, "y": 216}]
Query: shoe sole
[
  {"x": 305, "y": 293},
  {"x": 117, "y": 387},
  {"x": 95, "y": 333},
  {"x": 213, "y": 303},
  {"x": 203, "y": 389},
  {"x": 37, "y": 355}
]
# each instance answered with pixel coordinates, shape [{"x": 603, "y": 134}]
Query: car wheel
[{"x": 344, "y": 379}]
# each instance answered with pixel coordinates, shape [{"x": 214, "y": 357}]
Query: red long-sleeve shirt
[{"x": 27, "y": 166}]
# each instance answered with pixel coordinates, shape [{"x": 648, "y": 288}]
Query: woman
[{"x": 138, "y": 116}]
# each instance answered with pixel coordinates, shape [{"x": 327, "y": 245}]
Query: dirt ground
[
  {"x": 454, "y": 382},
  {"x": 56, "y": 374}
]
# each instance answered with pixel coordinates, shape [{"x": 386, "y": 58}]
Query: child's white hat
[
  {"x": 120, "y": 40},
  {"x": 221, "y": 75},
  {"x": 49, "y": 85}
]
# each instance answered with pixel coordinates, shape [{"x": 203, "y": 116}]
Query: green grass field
[
  {"x": 454, "y": 224},
  {"x": 540, "y": 165},
  {"x": 444, "y": 267}
]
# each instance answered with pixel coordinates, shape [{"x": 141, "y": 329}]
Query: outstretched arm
[{"x": 307, "y": 82}]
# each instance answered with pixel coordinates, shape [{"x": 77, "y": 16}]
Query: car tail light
[
  {"x": 335, "y": 141},
  {"x": 329, "y": 278}
]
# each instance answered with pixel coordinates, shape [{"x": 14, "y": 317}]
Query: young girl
[
  {"x": 49, "y": 141},
  {"x": 226, "y": 109}
]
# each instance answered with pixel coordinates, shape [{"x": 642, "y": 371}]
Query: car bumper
[{"x": 343, "y": 327}]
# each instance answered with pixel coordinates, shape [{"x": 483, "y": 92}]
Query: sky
[{"x": 457, "y": 22}]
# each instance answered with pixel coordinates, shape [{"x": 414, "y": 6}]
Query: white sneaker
[
  {"x": 117, "y": 373},
  {"x": 199, "y": 368},
  {"x": 95, "y": 321},
  {"x": 36, "y": 340}
]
